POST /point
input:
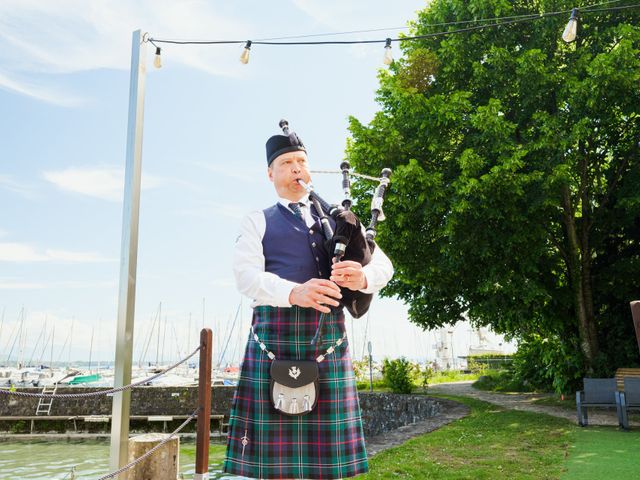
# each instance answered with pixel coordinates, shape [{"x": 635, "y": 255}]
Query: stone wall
[
  {"x": 144, "y": 401},
  {"x": 381, "y": 412}
]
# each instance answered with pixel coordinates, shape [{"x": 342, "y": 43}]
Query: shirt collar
[{"x": 285, "y": 202}]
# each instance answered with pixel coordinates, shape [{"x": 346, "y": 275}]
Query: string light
[
  {"x": 388, "y": 56},
  {"x": 568, "y": 35},
  {"x": 157, "y": 61},
  {"x": 244, "y": 58},
  {"x": 570, "y": 31}
]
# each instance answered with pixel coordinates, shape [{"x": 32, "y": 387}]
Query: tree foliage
[{"x": 515, "y": 196}]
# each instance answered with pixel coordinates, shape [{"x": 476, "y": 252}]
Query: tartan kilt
[{"x": 326, "y": 443}]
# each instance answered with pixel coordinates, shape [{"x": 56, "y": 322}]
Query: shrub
[
  {"x": 549, "y": 363},
  {"x": 422, "y": 375},
  {"x": 397, "y": 375}
]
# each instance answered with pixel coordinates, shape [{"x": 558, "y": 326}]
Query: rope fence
[
  {"x": 151, "y": 451},
  {"x": 204, "y": 408},
  {"x": 101, "y": 392}
]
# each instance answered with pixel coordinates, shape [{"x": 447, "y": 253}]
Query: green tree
[{"x": 515, "y": 194}]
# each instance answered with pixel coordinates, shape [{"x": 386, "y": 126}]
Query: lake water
[{"x": 53, "y": 460}]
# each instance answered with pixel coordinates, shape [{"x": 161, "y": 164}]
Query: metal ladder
[{"x": 44, "y": 404}]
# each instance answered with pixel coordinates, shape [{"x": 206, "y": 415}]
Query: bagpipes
[{"x": 348, "y": 241}]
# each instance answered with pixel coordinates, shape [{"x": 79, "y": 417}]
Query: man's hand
[
  {"x": 349, "y": 274},
  {"x": 316, "y": 293}
]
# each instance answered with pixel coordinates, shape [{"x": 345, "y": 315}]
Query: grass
[
  {"x": 490, "y": 443},
  {"x": 452, "y": 376},
  {"x": 602, "y": 453},
  {"x": 500, "y": 381},
  {"x": 495, "y": 443},
  {"x": 439, "y": 377}
]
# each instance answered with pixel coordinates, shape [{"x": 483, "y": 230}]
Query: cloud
[
  {"x": 21, "y": 252},
  {"x": 211, "y": 209},
  {"x": 39, "y": 92},
  {"x": 105, "y": 183},
  {"x": 8, "y": 284},
  {"x": 7, "y": 182},
  {"x": 359, "y": 14},
  {"x": 68, "y": 36},
  {"x": 20, "y": 285},
  {"x": 245, "y": 174}
]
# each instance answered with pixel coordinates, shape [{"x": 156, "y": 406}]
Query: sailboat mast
[
  {"x": 159, "y": 322},
  {"x": 53, "y": 334},
  {"x": 164, "y": 340},
  {"x": 91, "y": 349},
  {"x": 2, "y": 322},
  {"x": 188, "y": 349},
  {"x": 21, "y": 339},
  {"x": 73, "y": 321}
]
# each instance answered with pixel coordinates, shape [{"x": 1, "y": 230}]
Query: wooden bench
[
  {"x": 623, "y": 373},
  {"x": 628, "y": 399},
  {"x": 598, "y": 392}
]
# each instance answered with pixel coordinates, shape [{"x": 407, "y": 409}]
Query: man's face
[{"x": 285, "y": 171}]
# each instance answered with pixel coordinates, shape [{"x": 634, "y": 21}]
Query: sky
[{"x": 64, "y": 92}]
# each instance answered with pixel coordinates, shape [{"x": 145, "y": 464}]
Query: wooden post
[
  {"x": 204, "y": 406},
  {"x": 635, "y": 312},
  {"x": 163, "y": 464}
]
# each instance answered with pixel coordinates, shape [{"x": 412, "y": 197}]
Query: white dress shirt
[{"x": 267, "y": 288}]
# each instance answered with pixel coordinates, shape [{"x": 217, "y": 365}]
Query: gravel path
[{"x": 524, "y": 401}]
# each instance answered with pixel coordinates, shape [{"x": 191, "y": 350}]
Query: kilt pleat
[{"x": 327, "y": 443}]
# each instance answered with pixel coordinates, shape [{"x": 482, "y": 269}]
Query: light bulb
[
  {"x": 388, "y": 56},
  {"x": 570, "y": 31},
  {"x": 244, "y": 58},
  {"x": 157, "y": 61}
]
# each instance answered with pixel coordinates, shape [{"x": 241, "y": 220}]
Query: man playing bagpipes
[{"x": 295, "y": 412}]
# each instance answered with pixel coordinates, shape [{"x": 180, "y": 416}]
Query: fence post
[{"x": 204, "y": 405}]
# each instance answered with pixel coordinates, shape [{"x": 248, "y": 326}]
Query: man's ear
[{"x": 270, "y": 173}]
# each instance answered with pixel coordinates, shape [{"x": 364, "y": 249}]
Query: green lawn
[
  {"x": 494, "y": 443},
  {"x": 603, "y": 453},
  {"x": 490, "y": 443}
]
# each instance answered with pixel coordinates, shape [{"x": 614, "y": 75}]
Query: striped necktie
[{"x": 295, "y": 208}]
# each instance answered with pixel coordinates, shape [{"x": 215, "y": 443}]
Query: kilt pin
[{"x": 326, "y": 443}]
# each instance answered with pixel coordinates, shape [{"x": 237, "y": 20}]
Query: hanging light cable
[
  {"x": 570, "y": 31},
  {"x": 388, "y": 56},
  {"x": 244, "y": 58}
]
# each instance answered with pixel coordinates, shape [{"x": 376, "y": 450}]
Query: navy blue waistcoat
[{"x": 292, "y": 250}]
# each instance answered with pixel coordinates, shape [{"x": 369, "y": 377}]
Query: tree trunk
[
  {"x": 587, "y": 220},
  {"x": 579, "y": 267}
]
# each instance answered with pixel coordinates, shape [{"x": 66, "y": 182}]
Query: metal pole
[
  {"x": 204, "y": 403},
  {"x": 128, "y": 256}
]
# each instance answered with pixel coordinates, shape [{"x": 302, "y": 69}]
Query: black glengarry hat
[{"x": 279, "y": 144}]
